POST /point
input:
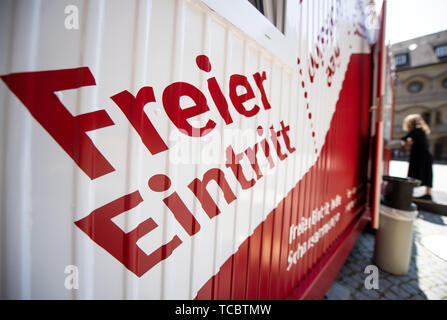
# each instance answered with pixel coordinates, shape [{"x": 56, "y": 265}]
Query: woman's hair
[{"x": 414, "y": 121}]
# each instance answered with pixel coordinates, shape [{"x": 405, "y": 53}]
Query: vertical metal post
[{"x": 378, "y": 169}]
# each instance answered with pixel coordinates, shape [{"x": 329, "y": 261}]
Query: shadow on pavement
[
  {"x": 433, "y": 218},
  {"x": 350, "y": 282}
]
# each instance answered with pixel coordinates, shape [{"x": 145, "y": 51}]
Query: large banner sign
[{"x": 154, "y": 150}]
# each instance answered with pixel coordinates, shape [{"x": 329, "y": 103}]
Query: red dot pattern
[
  {"x": 325, "y": 36},
  {"x": 309, "y": 113},
  {"x": 203, "y": 62},
  {"x": 159, "y": 183}
]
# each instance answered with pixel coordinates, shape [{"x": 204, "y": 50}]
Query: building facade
[{"x": 421, "y": 87}]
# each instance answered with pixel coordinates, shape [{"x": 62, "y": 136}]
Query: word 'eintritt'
[{"x": 123, "y": 246}]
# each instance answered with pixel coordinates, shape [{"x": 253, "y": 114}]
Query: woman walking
[{"x": 421, "y": 161}]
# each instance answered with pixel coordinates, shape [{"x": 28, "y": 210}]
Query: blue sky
[{"x": 408, "y": 19}]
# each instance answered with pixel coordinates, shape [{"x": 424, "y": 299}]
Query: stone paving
[{"x": 426, "y": 279}]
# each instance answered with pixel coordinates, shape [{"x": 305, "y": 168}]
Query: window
[
  {"x": 415, "y": 87},
  {"x": 267, "y": 25},
  {"x": 427, "y": 117},
  {"x": 274, "y": 10},
  {"x": 438, "y": 120},
  {"x": 401, "y": 60},
  {"x": 441, "y": 51}
]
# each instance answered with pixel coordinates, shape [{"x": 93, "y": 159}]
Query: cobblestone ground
[{"x": 427, "y": 277}]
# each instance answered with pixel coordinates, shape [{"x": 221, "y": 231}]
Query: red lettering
[
  {"x": 251, "y": 155},
  {"x": 219, "y": 100},
  {"x": 259, "y": 80},
  {"x": 123, "y": 246},
  {"x": 276, "y": 144},
  {"x": 337, "y": 51},
  {"x": 284, "y": 130},
  {"x": 133, "y": 109},
  {"x": 160, "y": 183},
  {"x": 36, "y": 91},
  {"x": 179, "y": 116},
  {"x": 232, "y": 162},
  {"x": 198, "y": 187},
  {"x": 182, "y": 214},
  {"x": 265, "y": 147},
  {"x": 237, "y": 80}
]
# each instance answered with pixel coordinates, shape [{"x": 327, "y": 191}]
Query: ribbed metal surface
[{"x": 242, "y": 250}]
